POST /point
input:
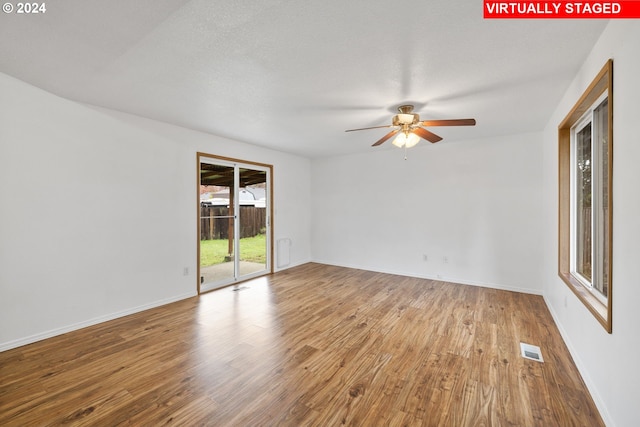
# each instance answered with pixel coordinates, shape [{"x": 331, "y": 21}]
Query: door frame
[{"x": 269, "y": 220}]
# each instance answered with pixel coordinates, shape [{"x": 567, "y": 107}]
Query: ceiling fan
[{"x": 409, "y": 129}]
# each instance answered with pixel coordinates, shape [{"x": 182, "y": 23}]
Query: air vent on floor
[
  {"x": 241, "y": 288},
  {"x": 531, "y": 352}
]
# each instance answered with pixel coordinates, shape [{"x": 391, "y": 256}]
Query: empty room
[{"x": 277, "y": 213}]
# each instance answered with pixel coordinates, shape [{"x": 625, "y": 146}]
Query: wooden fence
[{"x": 252, "y": 222}]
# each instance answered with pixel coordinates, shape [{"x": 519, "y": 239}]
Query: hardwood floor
[{"x": 314, "y": 345}]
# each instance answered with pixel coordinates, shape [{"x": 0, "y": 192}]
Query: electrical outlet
[
  {"x": 425, "y": 258},
  {"x": 445, "y": 260},
  {"x": 185, "y": 271}
]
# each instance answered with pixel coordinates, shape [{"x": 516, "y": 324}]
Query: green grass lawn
[{"x": 251, "y": 249}]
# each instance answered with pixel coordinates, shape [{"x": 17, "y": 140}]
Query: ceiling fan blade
[
  {"x": 453, "y": 122},
  {"x": 374, "y": 127},
  {"x": 384, "y": 138},
  {"x": 425, "y": 134}
]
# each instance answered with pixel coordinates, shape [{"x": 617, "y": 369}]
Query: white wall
[
  {"x": 98, "y": 211},
  {"x": 608, "y": 363},
  {"x": 476, "y": 202}
]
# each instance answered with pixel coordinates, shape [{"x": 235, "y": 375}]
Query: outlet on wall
[
  {"x": 425, "y": 258},
  {"x": 185, "y": 271}
]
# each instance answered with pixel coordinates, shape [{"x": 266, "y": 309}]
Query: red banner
[{"x": 560, "y": 9}]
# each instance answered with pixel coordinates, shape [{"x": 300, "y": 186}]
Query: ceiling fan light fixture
[
  {"x": 408, "y": 139},
  {"x": 400, "y": 140},
  {"x": 412, "y": 139}
]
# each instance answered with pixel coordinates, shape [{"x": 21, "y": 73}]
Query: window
[
  {"x": 585, "y": 140},
  {"x": 590, "y": 226}
]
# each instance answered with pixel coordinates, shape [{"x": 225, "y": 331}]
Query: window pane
[
  {"x": 583, "y": 202},
  {"x": 601, "y": 136}
]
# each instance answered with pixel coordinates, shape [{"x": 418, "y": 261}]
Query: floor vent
[
  {"x": 241, "y": 288},
  {"x": 531, "y": 352}
]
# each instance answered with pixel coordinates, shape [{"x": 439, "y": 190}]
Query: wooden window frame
[{"x": 603, "y": 83}]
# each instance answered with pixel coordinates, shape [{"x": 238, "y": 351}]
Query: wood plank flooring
[{"x": 314, "y": 345}]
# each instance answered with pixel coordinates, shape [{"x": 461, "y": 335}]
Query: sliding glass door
[
  {"x": 252, "y": 210},
  {"x": 234, "y": 221}
]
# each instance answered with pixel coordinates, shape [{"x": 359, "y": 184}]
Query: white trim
[
  {"x": 447, "y": 279},
  {"x": 294, "y": 264},
  {"x": 582, "y": 368},
  {"x": 96, "y": 320}
]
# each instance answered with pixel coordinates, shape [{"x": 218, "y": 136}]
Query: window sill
[{"x": 593, "y": 304}]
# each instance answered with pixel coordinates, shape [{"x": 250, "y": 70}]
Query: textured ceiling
[{"x": 293, "y": 75}]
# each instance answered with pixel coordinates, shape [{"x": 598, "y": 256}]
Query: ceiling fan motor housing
[
  {"x": 405, "y": 116},
  {"x": 405, "y": 119}
]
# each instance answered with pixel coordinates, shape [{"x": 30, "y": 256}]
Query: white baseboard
[
  {"x": 63, "y": 330},
  {"x": 597, "y": 399},
  {"x": 291, "y": 265},
  {"x": 441, "y": 279}
]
